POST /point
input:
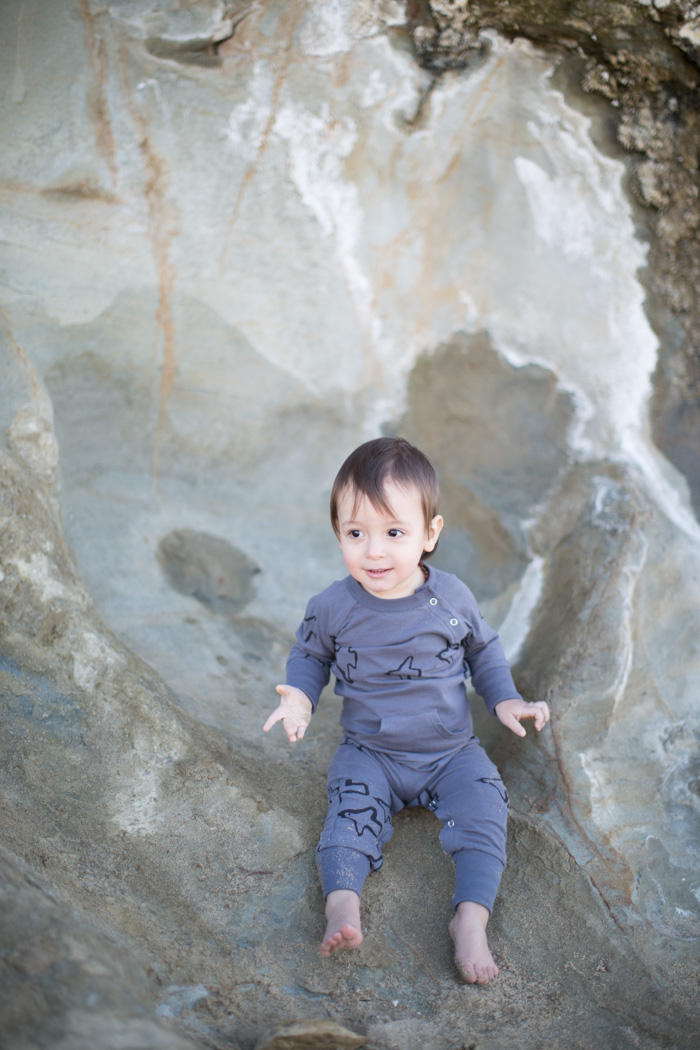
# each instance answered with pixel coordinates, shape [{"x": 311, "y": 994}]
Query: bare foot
[
  {"x": 344, "y": 929},
  {"x": 473, "y": 957}
]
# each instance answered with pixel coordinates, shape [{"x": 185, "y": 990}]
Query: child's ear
[{"x": 434, "y": 532}]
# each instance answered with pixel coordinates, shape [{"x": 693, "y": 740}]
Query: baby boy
[{"x": 400, "y": 639}]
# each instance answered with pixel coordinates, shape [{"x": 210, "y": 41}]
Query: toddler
[{"x": 400, "y": 639}]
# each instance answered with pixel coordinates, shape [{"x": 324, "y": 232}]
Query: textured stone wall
[
  {"x": 237, "y": 239},
  {"x": 643, "y": 56}
]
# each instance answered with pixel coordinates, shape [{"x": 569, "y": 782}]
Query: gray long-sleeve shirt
[{"x": 400, "y": 664}]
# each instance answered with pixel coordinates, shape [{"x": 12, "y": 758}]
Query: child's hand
[
  {"x": 510, "y": 712},
  {"x": 294, "y": 712}
]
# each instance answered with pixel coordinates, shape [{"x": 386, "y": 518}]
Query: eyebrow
[{"x": 392, "y": 522}]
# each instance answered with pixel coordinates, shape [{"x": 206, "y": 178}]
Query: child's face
[{"x": 382, "y": 552}]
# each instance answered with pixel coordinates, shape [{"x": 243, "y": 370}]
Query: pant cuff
[
  {"x": 477, "y": 877},
  {"x": 342, "y": 868}
]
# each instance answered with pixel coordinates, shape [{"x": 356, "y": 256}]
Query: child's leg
[
  {"x": 473, "y": 957},
  {"x": 471, "y": 801},
  {"x": 343, "y": 872},
  {"x": 343, "y": 922},
  {"x": 358, "y": 823}
]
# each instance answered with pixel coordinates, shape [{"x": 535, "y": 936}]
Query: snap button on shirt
[
  {"x": 454, "y": 622},
  {"x": 433, "y": 601}
]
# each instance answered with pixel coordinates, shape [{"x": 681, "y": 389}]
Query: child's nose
[{"x": 375, "y": 547}]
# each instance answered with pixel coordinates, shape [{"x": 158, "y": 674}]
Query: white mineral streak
[
  {"x": 326, "y": 31},
  {"x": 514, "y": 629},
  {"x": 136, "y": 807},
  {"x": 691, "y": 31},
  {"x": 580, "y": 213},
  {"x": 30, "y": 433},
  {"x": 39, "y": 570},
  {"x": 248, "y": 119},
  {"x": 31, "y": 436},
  {"x": 179, "y": 997},
  {"x": 317, "y": 148},
  {"x": 92, "y": 658},
  {"x": 598, "y": 790},
  {"x": 630, "y": 576},
  {"x": 375, "y": 90}
]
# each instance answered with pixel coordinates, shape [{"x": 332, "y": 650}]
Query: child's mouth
[{"x": 376, "y": 573}]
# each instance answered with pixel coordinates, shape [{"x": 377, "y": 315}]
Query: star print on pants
[
  {"x": 366, "y": 819},
  {"x": 498, "y": 784}
]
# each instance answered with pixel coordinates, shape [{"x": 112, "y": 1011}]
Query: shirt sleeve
[
  {"x": 490, "y": 670},
  {"x": 311, "y": 657},
  {"x": 484, "y": 657}
]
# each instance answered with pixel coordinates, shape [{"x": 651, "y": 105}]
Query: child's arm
[
  {"x": 294, "y": 712},
  {"x": 510, "y": 713}
]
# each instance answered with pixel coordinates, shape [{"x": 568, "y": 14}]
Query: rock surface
[
  {"x": 644, "y": 57},
  {"x": 237, "y": 240}
]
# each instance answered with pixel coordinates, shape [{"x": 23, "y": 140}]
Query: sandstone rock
[
  {"x": 208, "y": 568},
  {"x": 645, "y": 61},
  {"x": 59, "y": 967},
  {"x": 237, "y": 240}
]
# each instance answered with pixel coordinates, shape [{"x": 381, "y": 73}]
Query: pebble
[{"x": 309, "y": 1035}]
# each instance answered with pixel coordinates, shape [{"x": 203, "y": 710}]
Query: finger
[
  {"x": 532, "y": 711},
  {"x": 276, "y": 715},
  {"x": 515, "y": 726},
  {"x": 542, "y": 716},
  {"x": 291, "y": 729}
]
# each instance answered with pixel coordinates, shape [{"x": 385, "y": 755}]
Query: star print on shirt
[
  {"x": 347, "y": 662},
  {"x": 443, "y": 654},
  {"x": 309, "y": 625},
  {"x": 404, "y": 670}
]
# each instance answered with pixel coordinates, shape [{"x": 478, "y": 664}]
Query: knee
[
  {"x": 486, "y": 833},
  {"x": 358, "y": 818}
]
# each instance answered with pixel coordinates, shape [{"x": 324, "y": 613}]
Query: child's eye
[
  {"x": 355, "y": 533},
  {"x": 394, "y": 533}
]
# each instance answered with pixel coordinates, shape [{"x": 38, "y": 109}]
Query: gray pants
[{"x": 464, "y": 790}]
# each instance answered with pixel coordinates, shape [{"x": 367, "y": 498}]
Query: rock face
[
  {"x": 644, "y": 57},
  {"x": 238, "y": 239}
]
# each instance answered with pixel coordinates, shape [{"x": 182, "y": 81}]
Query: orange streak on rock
[
  {"x": 99, "y": 109},
  {"x": 163, "y": 227},
  {"x": 21, "y": 356},
  {"x": 293, "y": 20}
]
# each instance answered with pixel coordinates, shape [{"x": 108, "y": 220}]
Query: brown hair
[{"x": 366, "y": 471}]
